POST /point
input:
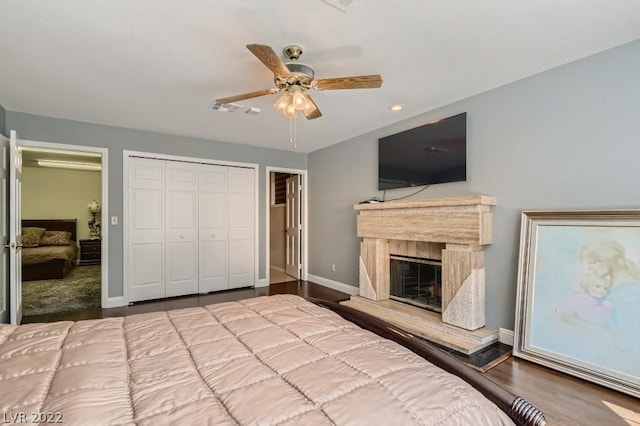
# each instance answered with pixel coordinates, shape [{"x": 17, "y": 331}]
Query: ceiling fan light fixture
[
  {"x": 309, "y": 105},
  {"x": 292, "y": 101},
  {"x": 299, "y": 100},
  {"x": 281, "y": 103},
  {"x": 290, "y": 111}
]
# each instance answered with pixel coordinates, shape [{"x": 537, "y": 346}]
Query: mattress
[
  {"x": 272, "y": 360},
  {"x": 43, "y": 254}
]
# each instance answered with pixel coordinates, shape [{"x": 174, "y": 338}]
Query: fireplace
[
  {"x": 452, "y": 231},
  {"x": 416, "y": 281}
]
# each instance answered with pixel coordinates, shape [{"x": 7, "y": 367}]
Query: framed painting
[{"x": 578, "y": 298}]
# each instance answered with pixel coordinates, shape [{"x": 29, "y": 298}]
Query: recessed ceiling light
[{"x": 396, "y": 107}]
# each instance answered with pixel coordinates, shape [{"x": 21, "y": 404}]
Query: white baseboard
[
  {"x": 505, "y": 336},
  {"x": 336, "y": 285},
  {"x": 114, "y": 302},
  {"x": 262, "y": 282}
]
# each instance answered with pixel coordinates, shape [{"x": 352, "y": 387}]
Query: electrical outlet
[
  {"x": 333, "y": 267},
  {"x": 114, "y": 220}
]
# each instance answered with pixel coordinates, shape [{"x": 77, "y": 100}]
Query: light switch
[{"x": 114, "y": 220}]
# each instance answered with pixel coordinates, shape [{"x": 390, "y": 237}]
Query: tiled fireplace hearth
[{"x": 451, "y": 230}]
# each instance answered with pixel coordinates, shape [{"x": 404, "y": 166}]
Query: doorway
[
  {"x": 64, "y": 193},
  {"x": 286, "y": 225}
]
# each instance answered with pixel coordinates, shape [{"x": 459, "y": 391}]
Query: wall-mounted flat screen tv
[{"x": 425, "y": 155}]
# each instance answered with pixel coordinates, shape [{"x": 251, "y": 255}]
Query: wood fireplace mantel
[{"x": 453, "y": 230}]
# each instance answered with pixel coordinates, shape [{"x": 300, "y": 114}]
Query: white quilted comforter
[{"x": 274, "y": 360}]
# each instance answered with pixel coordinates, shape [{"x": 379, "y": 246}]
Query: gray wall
[
  {"x": 567, "y": 138},
  {"x": 3, "y": 130},
  {"x": 117, "y": 139}
]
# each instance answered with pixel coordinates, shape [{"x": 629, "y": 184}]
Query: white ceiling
[{"x": 158, "y": 64}]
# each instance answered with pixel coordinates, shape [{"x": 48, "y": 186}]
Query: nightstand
[{"x": 90, "y": 252}]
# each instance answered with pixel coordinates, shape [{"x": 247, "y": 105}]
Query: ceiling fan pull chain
[{"x": 292, "y": 133}]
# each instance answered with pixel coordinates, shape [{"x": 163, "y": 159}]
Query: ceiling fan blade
[
  {"x": 355, "y": 82},
  {"x": 313, "y": 113},
  {"x": 249, "y": 95},
  {"x": 268, "y": 57}
]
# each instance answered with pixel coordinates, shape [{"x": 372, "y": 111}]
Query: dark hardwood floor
[{"x": 564, "y": 399}]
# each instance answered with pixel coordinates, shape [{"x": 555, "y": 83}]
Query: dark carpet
[{"x": 79, "y": 290}]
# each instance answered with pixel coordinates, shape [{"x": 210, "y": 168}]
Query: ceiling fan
[{"x": 294, "y": 79}]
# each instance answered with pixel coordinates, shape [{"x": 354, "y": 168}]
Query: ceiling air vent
[
  {"x": 339, "y": 4},
  {"x": 225, "y": 107}
]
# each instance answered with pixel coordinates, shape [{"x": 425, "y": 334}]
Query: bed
[
  {"x": 272, "y": 360},
  {"x": 53, "y": 260}
]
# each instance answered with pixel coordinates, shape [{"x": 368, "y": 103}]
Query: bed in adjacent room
[
  {"x": 49, "y": 248},
  {"x": 276, "y": 360}
]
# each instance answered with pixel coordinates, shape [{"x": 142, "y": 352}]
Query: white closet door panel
[
  {"x": 241, "y": 263},
  {"x": 181, "y": 175},
  {"x": 241, "y": 216},
  {"x": 182, "y": 268},
  {"x": 213, "y": 178},
  {"x": 182, "y": 228},
  {"x": 146, "y": 229},
  {"x": 213, "y": 266},
  {"x": 241, "y": 227},
  {"x": 147, "y": 212},
  {"x": 182, "y": 215},
  {"x": 213, "y": 228},
  {"x": 241, "y": 180},
  {"x": 213, "y": 214},
  {"x": 146, "y": 172},
  {"x": 146, "y": 280}
]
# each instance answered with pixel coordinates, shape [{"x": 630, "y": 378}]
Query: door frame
[
  {"x": 5, "y": 284},
  {"x": 304, "y": 180},
  {"x": 126, "y": 154},
  {"x": 104, "y": 212}
]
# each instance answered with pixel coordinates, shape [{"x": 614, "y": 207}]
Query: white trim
[
  {"x": 156, "y": 156},
  {"x": 262, "y": 282},
  {"x": 126, "y": 154},
  {"x": 305, "y": 217},
  {"x": 336, "y": 285},
  {"x": 115, "y": 302},
  {"x": 104, "y": 213},
  {"x": 505, "y": 336}
]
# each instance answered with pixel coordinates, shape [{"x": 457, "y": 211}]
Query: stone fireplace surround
[{"x": 453, "y": 230}]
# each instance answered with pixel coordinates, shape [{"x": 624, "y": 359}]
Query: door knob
[{"x": 181, "y": 236}]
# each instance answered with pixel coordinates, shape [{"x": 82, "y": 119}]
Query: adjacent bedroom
[{"x": 61, "y": 256}]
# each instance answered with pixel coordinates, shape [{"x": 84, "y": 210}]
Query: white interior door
[
  {"x": 181, "y": 228},
  {"x": 213, "y": 228},
  {"x": 15, "y": 229},
  {"x": 241, "y": 227},
  {"x": 293, "y": 227},
  {"x": 146, "y": 229},
  {"x": 4, "y": 232}
]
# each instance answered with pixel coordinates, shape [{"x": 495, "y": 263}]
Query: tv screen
[{"x": 433, "y": 153}]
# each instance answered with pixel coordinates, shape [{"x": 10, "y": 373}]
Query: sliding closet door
[
  {"x": 241, "y": 227},
  {"x": 146, "y": 229},
  {"x": 181, "y": 228},
  {"x": 213, "y": 228}
]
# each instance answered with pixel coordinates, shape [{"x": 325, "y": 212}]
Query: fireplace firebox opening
[{"x": 416, "y": 281}]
